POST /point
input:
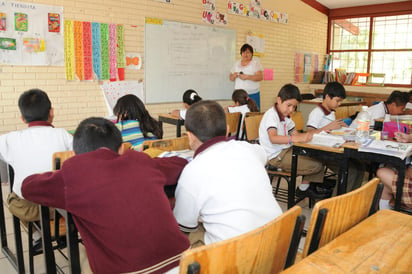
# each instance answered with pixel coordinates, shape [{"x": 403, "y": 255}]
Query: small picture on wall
[
  {"x": 3, "y": 21},
  {"x": 20, "y": 21},
  {"x": 7, "y": 43},
  {"x": 54, "y": 22}
]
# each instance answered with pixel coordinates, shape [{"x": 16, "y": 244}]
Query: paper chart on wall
[
  {"x": 114, "y": 90},
  {"x": 31, "y": 34}
]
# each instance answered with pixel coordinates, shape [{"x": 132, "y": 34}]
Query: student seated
[
  {"x": 225, "y": 187},
  {"x": 243, "y": 104},
  {"x": 389, "y": 177},
  {"x": 276, "y": 135},
  {"x": 189, "y": 97},
  {"x": 322, "y": 118},
  {"x": 117, "y": 201},
  {"x": 135, "y": 122},
  {"x": 394, "y": 105},
  {"x": 30, "y": 151}
]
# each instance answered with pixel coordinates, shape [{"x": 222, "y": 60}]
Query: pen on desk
[{"x": 397, "y": 121}]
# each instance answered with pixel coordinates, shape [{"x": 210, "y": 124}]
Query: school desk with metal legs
[
  {"x": 379, "y": 244},
  {"x": 170, "y": 119},
  {"x": 16, "y": 259},
  {"x": 323, "y": 153},
  {"x": 351, "y": 151}
]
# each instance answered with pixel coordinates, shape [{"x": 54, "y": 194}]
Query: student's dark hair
[
  {"x": 94, "y": 133},
  {"x": 190, "y": 97},
  {"x": 246, "y": 47},
  {"x": 241, "y": 96},
  {"x": 400, "y": 98},
  {"x": 288, "y": 92},
  {"x": 34, "y": 105},
  {"x": 206, "y": 120},
  {"x": 334, "y": 89},
  {"x": 130, "y": 107}
]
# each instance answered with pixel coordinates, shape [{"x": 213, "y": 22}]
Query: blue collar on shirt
[
  {"x": 40, "y": 124},
  {"x": 209, "y": 143}
]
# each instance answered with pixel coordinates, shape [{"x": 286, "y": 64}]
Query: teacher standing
[{"x": 247, "y": 73}]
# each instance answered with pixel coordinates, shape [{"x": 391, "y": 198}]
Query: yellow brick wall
[{"x": 74, "y": 101}]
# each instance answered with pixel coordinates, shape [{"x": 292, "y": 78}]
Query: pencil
[
  {"x": 397, "y": 121},
  {"x": 327, "y": 118}
]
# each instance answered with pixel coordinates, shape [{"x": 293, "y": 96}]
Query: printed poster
[{"x": 31, "y": 34}]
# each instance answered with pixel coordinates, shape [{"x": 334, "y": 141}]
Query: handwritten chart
[{"x": 93, "y": 50}]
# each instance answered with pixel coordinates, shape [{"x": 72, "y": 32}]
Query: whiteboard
[{"x": 181, "y": 56}]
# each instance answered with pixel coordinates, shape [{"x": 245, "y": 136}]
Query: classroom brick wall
[{"x": 75, "y": 100}]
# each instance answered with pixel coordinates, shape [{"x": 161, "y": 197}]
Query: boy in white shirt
[{"x": 322, "y": 118}]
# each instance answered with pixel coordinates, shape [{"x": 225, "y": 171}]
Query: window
[{"x": 374, "y": 45}]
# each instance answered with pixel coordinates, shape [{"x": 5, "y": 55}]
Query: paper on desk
[
  {"x": 400, "y": 150},
  {"x": 325, "y": 139}
]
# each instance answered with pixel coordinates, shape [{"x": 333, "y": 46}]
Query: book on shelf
[
  {"x": 340, "y": 75},
  {"x": 391, "y": 148}
]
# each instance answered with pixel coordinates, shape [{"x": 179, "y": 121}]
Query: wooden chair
[
  {"x": 233, "y": 120},
  {"x": 297, "y": 118},
  {"x": 178, "y": 143},
  {"x": 267, "y": 249},
  {"x": 251, "y": 130},
  {"x": 331, "y": 217}
]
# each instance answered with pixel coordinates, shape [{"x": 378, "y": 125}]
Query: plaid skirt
[{"x": 406, "y": 191}]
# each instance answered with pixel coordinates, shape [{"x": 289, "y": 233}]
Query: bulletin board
[{"x": 181, "y": 56}]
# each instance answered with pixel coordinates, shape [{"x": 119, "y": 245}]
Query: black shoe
[
  {"x": 321, "y": 189},
  {"x": 328, "y": 183},
  {"x": 310, "y": 193},
  {"x": 37, "y": 246}
]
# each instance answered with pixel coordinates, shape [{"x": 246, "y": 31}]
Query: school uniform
[
  {"x": 320, "y": 117},
  {"x": 119, "y": 207},
  {"x": 280, "y": 155},
  {"x": 226, "y": 188}
]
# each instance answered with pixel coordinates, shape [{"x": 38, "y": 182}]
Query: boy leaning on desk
[{"x": 322, "y": 118}]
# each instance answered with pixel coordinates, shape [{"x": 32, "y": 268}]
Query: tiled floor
[{"x": 39, "y": 266}]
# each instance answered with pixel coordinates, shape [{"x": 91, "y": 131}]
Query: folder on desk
[
  {"x": 391, "y": 148},
  {"x": 392, "y": 127}
]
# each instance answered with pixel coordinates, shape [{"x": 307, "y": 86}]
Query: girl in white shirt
[{"x": 243, "y": 104}]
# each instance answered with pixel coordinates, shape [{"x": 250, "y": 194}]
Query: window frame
[{"x": 372, "y": 11}]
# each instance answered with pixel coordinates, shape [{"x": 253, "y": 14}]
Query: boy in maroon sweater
[{"x": 117, "y": 201}]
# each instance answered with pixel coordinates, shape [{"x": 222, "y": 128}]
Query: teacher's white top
[{"x": 250, "y": 69}]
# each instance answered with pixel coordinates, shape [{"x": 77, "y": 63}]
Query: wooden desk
[
  {"x": 351, "y": 151},
  {"x": 322, "y": 153},
  {"x": 379, "y": 244},
  {"x": 170, "y": 119}
]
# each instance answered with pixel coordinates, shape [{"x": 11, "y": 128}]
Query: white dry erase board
[{"x": 181, "y": 56}]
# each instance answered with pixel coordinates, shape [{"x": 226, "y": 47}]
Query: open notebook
[
  {"x": 325, "y": 139},
  {"x": 400, "y": 150}
]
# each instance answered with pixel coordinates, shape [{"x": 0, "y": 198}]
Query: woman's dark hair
[
  {"x": 190, "y": 97},
  {"x": 94, "y": 133},
  {"x": 246, "y": 47},
  {"x": 130, "y": 107},
  {"x": 288, "y": 92},
  {"x": 34, "y": 105},
  {"x": 241, "y": 96}
]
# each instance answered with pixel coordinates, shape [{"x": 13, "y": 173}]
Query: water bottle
[{"x": 362, "y": 129}]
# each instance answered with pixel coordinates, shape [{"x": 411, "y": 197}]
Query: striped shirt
[{"x": 132, "y": 133}]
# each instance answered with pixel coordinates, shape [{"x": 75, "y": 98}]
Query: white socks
[
  {"x": 304, "y": 187},
  {"x": 36, "y": 235},
  {"x": 384, "y": 204}
]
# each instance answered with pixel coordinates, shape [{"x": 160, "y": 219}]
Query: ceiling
[{"x": 335, "y": 4}]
